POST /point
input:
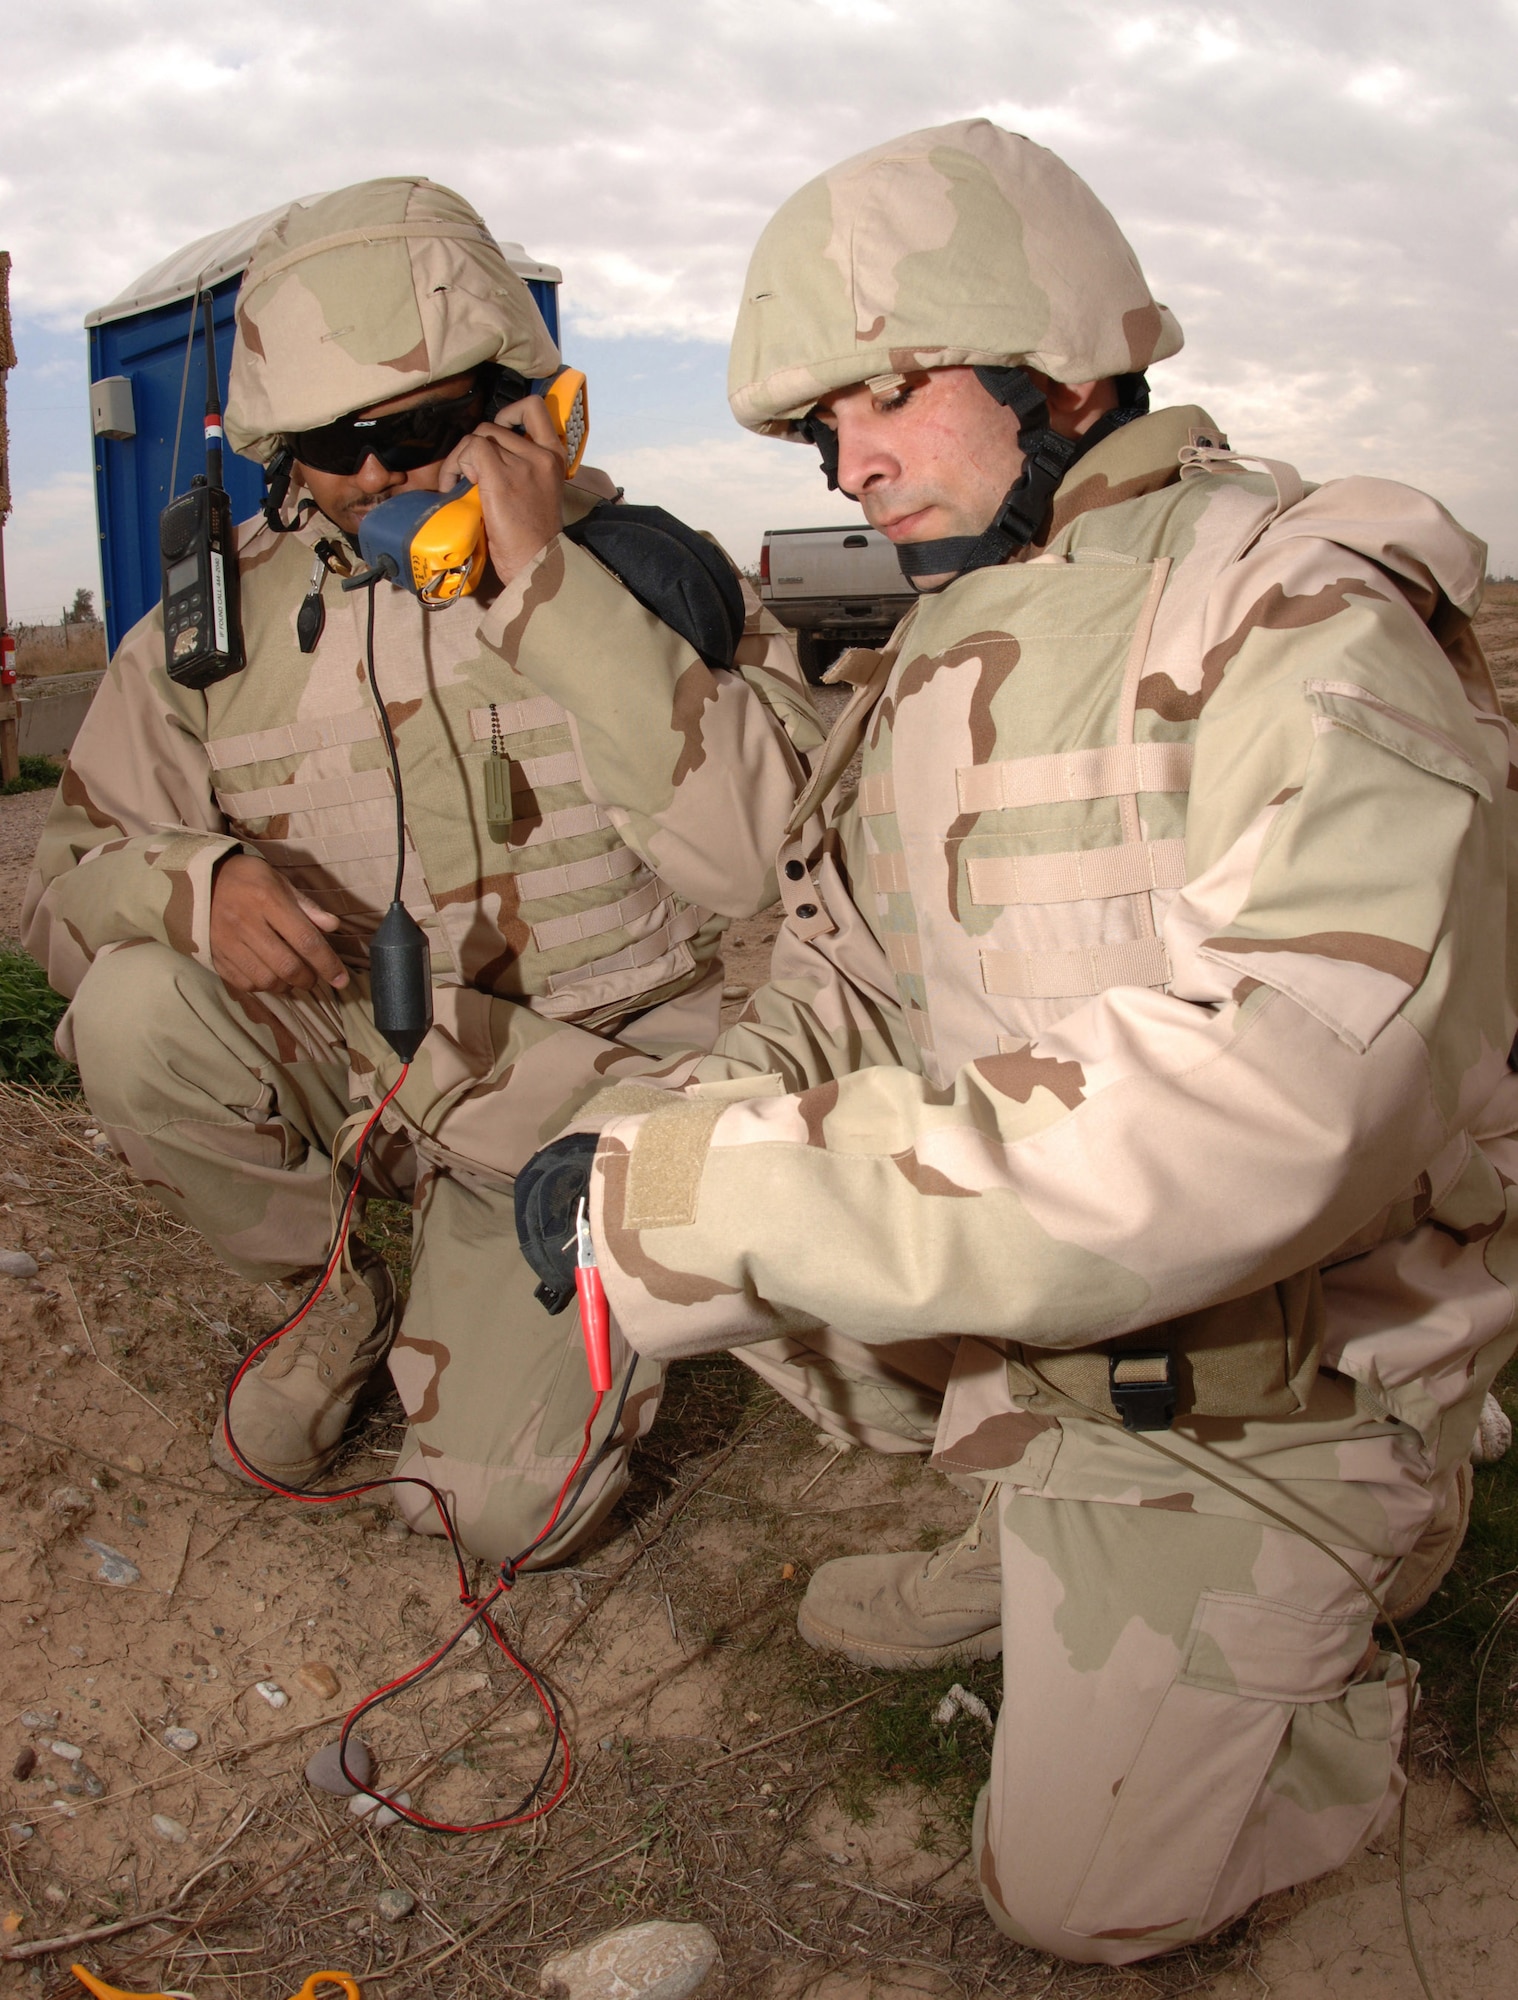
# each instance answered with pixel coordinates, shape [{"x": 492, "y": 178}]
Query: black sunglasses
[{"x": 404, "y": 441}]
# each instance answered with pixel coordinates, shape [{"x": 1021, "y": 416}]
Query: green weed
[
  {"x": 29, "y": 1012},
  {"x": 1449, "y": 1635},
  {"x": 38, "y": 774}
]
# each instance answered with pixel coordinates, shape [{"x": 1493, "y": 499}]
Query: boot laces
[{"x": 948, "y": 1553}]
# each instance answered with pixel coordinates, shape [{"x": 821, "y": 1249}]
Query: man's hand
[
  {"x": 521, "y": 482},
  {"x": 265, "y": 938}
]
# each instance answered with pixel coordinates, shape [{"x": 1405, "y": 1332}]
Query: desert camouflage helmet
[
  {"x": 959, "y": 245},
  {"x": 364, "y": 295}
]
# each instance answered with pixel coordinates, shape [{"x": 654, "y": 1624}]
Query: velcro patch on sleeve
[{"x": 664, "y": 1174}]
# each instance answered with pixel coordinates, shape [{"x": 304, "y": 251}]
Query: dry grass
[{"x": 42, "y": 650}]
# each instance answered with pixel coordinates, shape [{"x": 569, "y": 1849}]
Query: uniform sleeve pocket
[
  {"x": 1347, "y": 705},
  {"x": 1262, "y": 1705}
]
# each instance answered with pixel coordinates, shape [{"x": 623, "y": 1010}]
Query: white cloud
[
  {"x": 1325, "y": 194},
  {"x": 50, "y": 548}
]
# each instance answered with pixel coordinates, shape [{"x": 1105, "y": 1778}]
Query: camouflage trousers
[
  {"x": 229, "y": 1107},
  {"x": 1195, "y": 1711}
]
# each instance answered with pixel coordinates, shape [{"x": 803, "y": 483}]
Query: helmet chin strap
[
  {"x": 277, "y": 475},
  {"x": 1047, "y": 456}
]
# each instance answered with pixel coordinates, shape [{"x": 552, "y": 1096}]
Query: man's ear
[{"x": 1075, "y": 406}]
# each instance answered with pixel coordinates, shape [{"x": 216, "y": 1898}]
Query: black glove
[{"x": 549, "y": 1190}]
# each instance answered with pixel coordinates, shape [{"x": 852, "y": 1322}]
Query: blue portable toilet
[{"x": 148, "y": 386}]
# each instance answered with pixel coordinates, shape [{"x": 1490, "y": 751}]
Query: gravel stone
[
  {"x": 316, "y": 1677},
  {"x": 70, "y": 1500},
  {"x": 182, "y": 1740},
  {"x": 39, "y": 1718},
  {"x": 325, "y": 1772},
  {"x": 25, "y": 1764},
  {"x": 114, "y": 1566},
  {"x": 363, "y": 1807},
  {"x": 170, "y": 1829},
  {"x": 1494, "y": 1434},
  {"x": 17, "y": 1264},
  {"x": 69, "y": 1752},
  {"x": 272, "y": 1693},
  {"x": 394, "y": 1904},
  {"x": 655, "y": 1961}
]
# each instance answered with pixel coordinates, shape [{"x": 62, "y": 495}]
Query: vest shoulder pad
[{"x": 682, "y": 578}]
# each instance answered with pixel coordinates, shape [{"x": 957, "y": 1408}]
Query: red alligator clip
[{"x": 595, "y": 1315}]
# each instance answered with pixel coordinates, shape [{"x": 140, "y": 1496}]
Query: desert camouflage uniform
[
  {"x": 577, "y": 942},
  {"x": 1153, "y": 988}
]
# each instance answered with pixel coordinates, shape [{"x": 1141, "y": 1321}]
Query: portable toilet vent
[{"x": 139, "y": 386}]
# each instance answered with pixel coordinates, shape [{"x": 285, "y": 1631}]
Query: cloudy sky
[{"x": 1325, "y": 191}]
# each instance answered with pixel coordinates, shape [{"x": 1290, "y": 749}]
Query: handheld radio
[
  {"x": 434, "y": 543},
  {"x": 202, "y": 624}
]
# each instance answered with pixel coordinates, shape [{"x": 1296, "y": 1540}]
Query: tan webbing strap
[
  {"x": 847, "y": 733},
  {"x": 566, "y": 824},
  {"x": 1075, "y": 975},
  {"x": 347, "y": 788},
  {"x": 904, "y": 950},
  {"x": 580, "y": 924},
  {"x": 1133, "y": 668},
  {"x": 634, "y": 956},
  {"x": 533, "y": 884},
  {"x": 1104, "y": 773},
  {"x": 1288, "y": 482},
  {"x": 1082, "y": 876},
  {"x": 561, "y": 769},
  {"x": 374, "y": 842},
  {"x": 888, "y": 874},
  {"x": 516, "y": 718},
  {"x": 293, "y": 739},
  {"x": 664, "y": 1172},
  {"x": 877, "y": 794}
]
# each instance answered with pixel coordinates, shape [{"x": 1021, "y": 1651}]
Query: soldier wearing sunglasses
[{"x": 587, "y": 803}]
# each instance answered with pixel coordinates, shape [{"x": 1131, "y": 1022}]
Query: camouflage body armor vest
[
  {"x": 541, "y": 902},
  {"x": 1019, "y": 843}
]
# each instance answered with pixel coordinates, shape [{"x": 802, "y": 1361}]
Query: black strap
[
  {"x": 816, "y": 432},
  {"x": 678, "y": 575},
  {"x": 276, "y": 485},
  {"x": 1047, "y": 456}
]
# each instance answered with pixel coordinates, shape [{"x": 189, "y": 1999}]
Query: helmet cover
[
  {"x": 960, "y": 245},
  {"x": 365, "y": 295}
]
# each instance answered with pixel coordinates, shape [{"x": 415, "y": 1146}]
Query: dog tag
[{"x": 498, "y": 811}]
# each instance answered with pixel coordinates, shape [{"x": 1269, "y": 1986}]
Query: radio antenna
[{"x": 214, "y": 434}]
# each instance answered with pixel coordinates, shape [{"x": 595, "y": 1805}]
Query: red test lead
[{"x": 595, "y": 1316}]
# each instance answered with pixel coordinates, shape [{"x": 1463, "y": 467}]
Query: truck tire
[{"x": 816, "y": 651}]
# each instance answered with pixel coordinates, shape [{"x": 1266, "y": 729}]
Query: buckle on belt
[{"x": 1141, "y": 1383}]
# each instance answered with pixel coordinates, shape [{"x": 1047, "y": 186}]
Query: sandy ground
[{"x": 672, "y": 1646}]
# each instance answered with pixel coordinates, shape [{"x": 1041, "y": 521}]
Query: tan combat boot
[
  {"x": 291, "y": 1410},
  {"x": 910, "y": 1610}
]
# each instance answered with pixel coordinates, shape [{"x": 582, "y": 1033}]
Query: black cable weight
[{"x": 400, "y": 981}]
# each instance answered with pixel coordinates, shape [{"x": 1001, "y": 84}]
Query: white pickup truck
[{"x": 834, "y": 587}]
